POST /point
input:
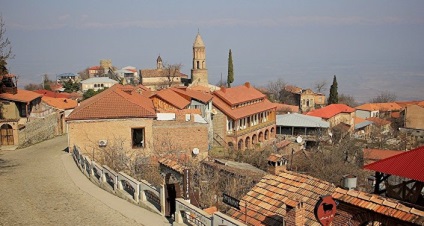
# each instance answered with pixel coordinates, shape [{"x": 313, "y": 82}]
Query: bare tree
[
  {"x": 171, "y": 72},
  {"x": 274, "y": 89},
  {"x": 348, "y": 100},
  {"x": 321, "y": 86},
  {"x": 5, "y": 48},
  {"x": 384, "y": 97},
  {"x": 84, "y": 74},
  {"x": 32, "y": 86}
]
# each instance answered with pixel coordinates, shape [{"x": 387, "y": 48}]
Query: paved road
[{"x": 41, "y": 185}]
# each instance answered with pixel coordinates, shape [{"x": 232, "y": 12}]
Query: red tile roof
[
  {"x": 372, "y": 155},
  {"x": 49, "y": 93},
  {"x": 408, "y": 164},
  {"x": 22, "y": 95},
  {"x": 172, "y": 98},
  {"x": 60, "y": 103},
  {"x": 152, "y": 73},
  {"x": 286, "y": 108},
  {"x": 331, "y": 110},
  {"x": 95, "y": 68},
  {"x": 391, "y": 106},
  {"x": 245, "y": 111},
  {"x": 114, "y": 103},
  {"x": 238, "y": 94},
  {"x": 194, "y": 94}
]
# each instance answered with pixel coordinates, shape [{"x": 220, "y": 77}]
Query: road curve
[{"x": 41, "y": 185}]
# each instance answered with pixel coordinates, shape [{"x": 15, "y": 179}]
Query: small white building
[{"x": 97, "y": 83}]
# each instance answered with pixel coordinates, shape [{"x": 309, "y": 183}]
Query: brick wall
[
  {"x": 87, "y": 133},
  {"x": 180, "y": 136}
]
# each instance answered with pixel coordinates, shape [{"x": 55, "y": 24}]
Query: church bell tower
[{"x": 199, "y": 73}]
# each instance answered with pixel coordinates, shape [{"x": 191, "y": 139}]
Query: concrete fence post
[
  {"x": 162, "y": 199},
  {"x": 143, "y": 197}
]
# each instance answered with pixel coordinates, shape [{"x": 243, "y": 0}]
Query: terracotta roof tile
[
  {"x": 391, "y": 106},
  {"x": 194, "y": 94},
  {"x": 49, "y": 93},
  {"x": 114, "y": 103},
  {"x": 60, "y": 103},
  {"x": 242, "y": 112},
  {"x": 239, "y": 94},
  {"x": 171, "y": 97},
  {"x": 378, "y": 121},
  {"x": 22, "y": 95},
  {"x": 372, "y": 155},
  {"x": 331, "y": 110}
]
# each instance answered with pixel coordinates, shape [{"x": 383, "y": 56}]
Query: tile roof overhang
[
  {"x": 49, "y": 93},
  {"x": 23, "y": 96},
  {"x": 408, "y": 164},
  {"x": 390, "y": 106},
  {"x": 113, "y": 103},
  {"x": 238, "y": 113}
]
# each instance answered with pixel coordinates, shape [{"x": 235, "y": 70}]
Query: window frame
[{"x": 143, "y": 143}]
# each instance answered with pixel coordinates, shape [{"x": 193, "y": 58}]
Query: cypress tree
[
  {"x": 230, "y": 78},
  {"x": 334, "y": 95}
]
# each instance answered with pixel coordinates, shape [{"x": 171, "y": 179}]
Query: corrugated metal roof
[
  {"x": 299, "y": 120},
  {"x": 408, "y": 164},
  {"x": 363, "y": 124}
]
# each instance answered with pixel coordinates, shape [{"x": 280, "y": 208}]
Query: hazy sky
[{"x": 371, "y": 46}]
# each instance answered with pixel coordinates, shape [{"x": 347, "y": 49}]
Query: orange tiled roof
[
  {"x": 378, "y": 121},
  {"x": 267, "y": 199},
  {"x": 22, "y": 95},
  {"x": 95, "y": 68},
  {"x": 173, "y": 98},
  {"x": 285, "y": 107},
  {"x": 238, "y": 94},
  {"x": 114, "y": 103},
  {"x": 372, "y": 155},
  {"x": 60, "y": 103},
  {"x": 331, "y": 110},
  {"x": 358, "y": 120},
  {"x": 391, "y": 106},
  {"x": 245, "y": 111},
  {"x": 49, "y": 93},
  {"x": 195, "y": 94},
  {"x": 293, "y": 89}
]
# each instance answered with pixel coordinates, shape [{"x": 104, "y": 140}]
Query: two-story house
[
  {"x": 384, "y": 110},
  {"x": 97, "y": 83},
  {"x": 306, "y": 99},
  {"x": 337, "y": 115},
  {"x": 242, "y": 117}
]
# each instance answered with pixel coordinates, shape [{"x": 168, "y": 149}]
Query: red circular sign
[{"x": 325, "y": 210}]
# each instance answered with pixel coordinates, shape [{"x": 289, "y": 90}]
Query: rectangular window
[{"x": 138, "y": 138}]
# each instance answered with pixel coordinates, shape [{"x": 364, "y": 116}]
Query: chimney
[
  {"x": 299, "y": 214},
  {"x": 247, "y": 84},
  {"x": 277, "y": 164}
]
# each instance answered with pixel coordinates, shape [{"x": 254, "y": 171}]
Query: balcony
[{"x": 250, "y": 129}]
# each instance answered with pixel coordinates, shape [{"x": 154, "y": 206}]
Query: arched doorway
[
  {"x": 6, "y": 133},
  {"x": 266, "y": 134},
  {"x": 172, "y": 191},
  {"x": 272, "y": 131},
  {"x": 230, "y": 145},
  {"x": 247, "y": 143}
]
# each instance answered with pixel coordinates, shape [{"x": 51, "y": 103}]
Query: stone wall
[
  {"x": 38, "y": 129},
  {"x": 219, "y": 128}
]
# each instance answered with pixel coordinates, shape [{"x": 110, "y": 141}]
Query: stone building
[
  {"x": 243, "y": 117},
  {"x": 162, "y": 77}
]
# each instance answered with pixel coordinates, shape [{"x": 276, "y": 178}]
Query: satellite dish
[
  {"x": 299, "y": 139},
  {"x": 195, "y": 151},
  {"x": 214, "y": 112}
]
